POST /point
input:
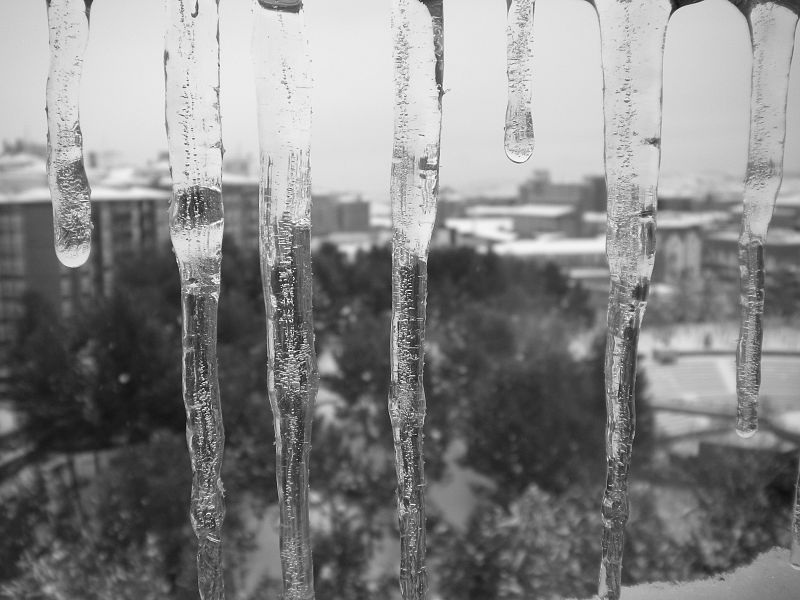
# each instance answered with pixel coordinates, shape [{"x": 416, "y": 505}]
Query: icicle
[
  {"x": 519, "y": 121},
  {"x": 418, "y": 34},
  {"x": 772, "y": 26},
  {"x": 632, "y": 39},
  {"x": 191, "y": 65},
  {"x": 795, "y": 555},
  {"x": 69, "y": 187},
  {"x": 283, "y": 83}
]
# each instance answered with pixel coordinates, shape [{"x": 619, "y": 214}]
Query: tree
[
  {"x": 742, "y": 504},
  {"x": 532, "y": 417},
  {"x": 23, "y": 515},
  {"x": 72, "y": 570},
  {"x": 45, "y": 389},
  {"x": 107, "y": 377}
]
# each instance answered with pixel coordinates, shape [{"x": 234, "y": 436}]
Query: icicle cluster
[
  {"x": 632, "y": 42},
  {"x": 69, "y": 187},
  {"x": 519, "y": 119},
  {"x": 283, "y": 84},
  {"x": 418, "y": 35},
  {"x": 632, "y": 39},
  {"x": 772, "y": 27},
  {"x": 191, "y": 65}
]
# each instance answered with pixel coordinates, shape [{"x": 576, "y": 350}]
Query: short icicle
[
  {"x": 632, "y": 43},
  {"x": 282, "y": 66},
  {"x": 68, "y": 21},
  {"x": 418, "y": 37},
  {"x": 519, "y": 119},
  {"x": 772, "y": 27},
  {"x": 191, "y": 66}
]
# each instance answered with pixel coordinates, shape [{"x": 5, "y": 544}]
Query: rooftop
[
  {"x": 694, "y": 395},
  {"x": 529, "y": 210},
  {"x": 554, "y": 247},
  {"x": 775, "y": 237},
  {"x": 100, "y": 193},
  {"x": 493, "y": 229},
  {"x": 670, "y": 219}
]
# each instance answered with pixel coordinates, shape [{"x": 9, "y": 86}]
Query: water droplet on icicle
[
  {"x": 417, "y": 30},
  {"x": 282, "y": 65},
  {"x": 632, "y": 42},
  {"x": 68, "y": 21},
  {"x": 772, "y": 28},
  {"x": 519, "y": 119},
  {"x": 191, "y": 66}
]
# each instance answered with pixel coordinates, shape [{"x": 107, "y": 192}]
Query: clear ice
[
  {"x": 519, "y": 120},
  {"x": 418, "y": 36},
  {"x": 632, "y": 45},
  {"x": 191, "y": 66},
  {"x": 772, "y": 27},
  {"x": 795, "y": 551},
  {"x": 282, "y": 67},
  {"x": 68, "y": 21}
]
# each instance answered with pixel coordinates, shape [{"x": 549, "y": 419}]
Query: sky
[{"x": 706, "y": 89}]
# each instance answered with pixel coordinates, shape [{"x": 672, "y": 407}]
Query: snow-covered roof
[
  {"x": 588, "y": 273},
  {"x": 100, "y": 193},
  {"x": 494, "y": 229},
  {"x": 528, "y": 210},
  {"x": 775, "y": 237},
  {"x": 706, "y": 383},
  {"x": 554, "y": 247},
  {"x": 594, "y": 217},
  {"x": 22, "y": 161},
  {"x": 671, "y": 219},
  {"x": 689, "y": 220}
]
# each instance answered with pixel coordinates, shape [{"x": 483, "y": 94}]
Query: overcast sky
[{"x": 706, "y": 88}]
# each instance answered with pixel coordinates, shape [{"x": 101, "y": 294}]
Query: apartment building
[{"x": 127, "y": 219}]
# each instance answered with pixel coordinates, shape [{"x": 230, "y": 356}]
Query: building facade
[{"x": 125, "y": 221}]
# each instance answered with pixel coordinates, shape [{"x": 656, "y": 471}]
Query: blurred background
[{"x": 94, "y": 473}]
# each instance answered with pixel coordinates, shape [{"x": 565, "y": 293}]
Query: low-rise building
[
  {"x": 567, "y": 253},
  {"x": 540, "y": 189},
  {"x": 721, "y": 252},
  {"x": 531, "y": 220},
  {"x": 479, "y": 232},
  {"x": 332, "y": 213},
  {"x": 693, "y": 397}
]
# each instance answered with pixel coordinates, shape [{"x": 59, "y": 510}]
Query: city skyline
[{"x": 706, "y": 90}]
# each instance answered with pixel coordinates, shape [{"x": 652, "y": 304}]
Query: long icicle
[
  {"x": 632, "y": 42},
  {"x": 772, "y": 27},
  {"x": 795, "y": 547},
  {"x": 418, "y": 35},
  {"x": 191, "y": 66},
  {"x": 69, "y": 187},
  {"x": 283, "y": 84},
  {"x": 519, "y": 118}
]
